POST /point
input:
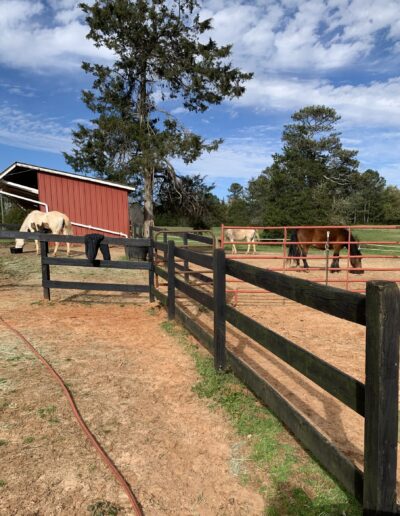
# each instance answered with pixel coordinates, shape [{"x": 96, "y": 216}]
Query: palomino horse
[
  {"x": 250, "y": 235},
  {"x": 304, "y": 238},
  {"x": 53, "y": 221}
]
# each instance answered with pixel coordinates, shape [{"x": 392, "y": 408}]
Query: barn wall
[{"x": 85, "y": 202}]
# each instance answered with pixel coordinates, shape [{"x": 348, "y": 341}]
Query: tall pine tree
[
  {"x": 160, "y": 53},
  {"x": 312, "y": 171}
]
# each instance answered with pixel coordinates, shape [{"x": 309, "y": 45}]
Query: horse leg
[
  {"x": 56, "y": 248},
  {"x": 335, "y": 261},
  {"x": 248, "y": 245},
  {"x": 37, "y": 246},
  {"x": 304, "y": 252},
  {"x": 234, "y": 250},
  {"x": 68, "y": 248}
]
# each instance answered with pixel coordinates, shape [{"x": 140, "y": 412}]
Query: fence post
[
  {"x": 165, "y": 236},
  {"x": 171, "y": 279},
  {"x": 185, "y": 261},
  {"x": 44, "y": 250},
  {"x": 151, "y": 270},
  {"x": 381, "y": 397},
  {"x": 219, "y": 309}
]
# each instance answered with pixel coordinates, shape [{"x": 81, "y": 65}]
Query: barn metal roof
[{"x": 17, "y": 167}]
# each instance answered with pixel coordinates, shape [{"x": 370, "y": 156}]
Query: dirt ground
[
  {"x": 133, "y": 385},
  {"x": 338, "y": 342}
]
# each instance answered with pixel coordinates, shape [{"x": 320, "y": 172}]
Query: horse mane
[{"x": 354, "y": 247}]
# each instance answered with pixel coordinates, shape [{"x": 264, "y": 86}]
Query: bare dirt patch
[{"x": 133, "y": 386}]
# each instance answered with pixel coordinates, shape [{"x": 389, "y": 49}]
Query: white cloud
[
  {"x": 303, "y": 52},
  {"x": 292, "y": 35},
  {"x": 27, "y": 42},
  {"x": 27, "y": 131},
  {"x": 20, "y": 90},
  {"x": 374, "y": 104},
  {"x": 13, "y": 11},
  {"x": 241, "y": 157}
]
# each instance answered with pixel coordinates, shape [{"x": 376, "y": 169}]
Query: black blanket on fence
[{"x": 92, "y": 246}]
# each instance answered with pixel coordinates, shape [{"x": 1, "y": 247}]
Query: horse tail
[
  {"x": 67, "y": 226},
  {"x": 294, "y": 249}
]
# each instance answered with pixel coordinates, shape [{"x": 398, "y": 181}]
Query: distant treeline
[{"x": 313, "y": 180}]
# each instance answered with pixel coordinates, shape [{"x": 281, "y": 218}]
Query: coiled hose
[{"x": 104, "y": 457}]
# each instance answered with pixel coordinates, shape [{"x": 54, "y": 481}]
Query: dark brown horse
[{"x": 304, "y": 238}]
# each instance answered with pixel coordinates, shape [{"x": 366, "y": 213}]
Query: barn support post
[
  {"x": 381, "y": 397},
  {"x": 44, "y": 251},
  {"x": 171, "y": 280},
  {"x": 186, "y": 261},
  {"x": 151, "y": 270},
  {"x": 219, "y": 309}
]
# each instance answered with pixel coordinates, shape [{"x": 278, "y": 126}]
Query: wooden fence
[
  {"x": 47, "y": 261},
  {"x": 376, "y": 400},
  {"x": 378, "y": 310}
]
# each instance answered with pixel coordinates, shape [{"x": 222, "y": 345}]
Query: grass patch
[
  {"x": 3, "y": 483},
  {"x": 103, "y": 508},
  {"x": 16, "y": 358},
  {"x": 48, "y": 413},
  {"x": 3, "y": 442},
  {"x": 28, "y": 440},
  {"x": 297, "y": 485},
  {"x": 4, "y": 404}
]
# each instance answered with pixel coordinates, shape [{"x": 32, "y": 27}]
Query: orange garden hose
[{"x": 104, "y": 457}]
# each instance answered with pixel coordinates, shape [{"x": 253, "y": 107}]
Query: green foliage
[
  {"x": 13, "y": 213},
  {"x": 159, "y": 54},
  {"x": 312, "y": 170},
  {"x": 391, "y": 205},
  {"x": 104, "y": 508},
  {"x": 237, "y": 209},
  {"x": 314, "y": 180},
  {"x": 192, "y": 204}
]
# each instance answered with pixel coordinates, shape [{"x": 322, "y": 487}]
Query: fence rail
[
  {"x": 377, "y": 400},
  {"x": 273, "y": 253},
  {"x": 47, "y": 261}
]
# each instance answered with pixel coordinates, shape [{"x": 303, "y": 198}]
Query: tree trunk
[{"x": 148, "y": 202}]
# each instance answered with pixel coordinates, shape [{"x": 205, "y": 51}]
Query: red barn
[{"x": 93, "y": 205}]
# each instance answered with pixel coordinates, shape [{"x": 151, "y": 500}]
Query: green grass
[
  {"x": 48, "y": 413},
  {"x": 296, "y": 484},
  {"x": 3, "y": 483},
  {"x": 103, "y": 508},
  {"x": 373, "y": 235},
  {"x": 379, "y": 235}
]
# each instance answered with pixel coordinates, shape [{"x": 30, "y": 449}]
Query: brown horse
[{"x": 303, "y": 238}]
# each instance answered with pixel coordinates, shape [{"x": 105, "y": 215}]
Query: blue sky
[{"x": 341, "y": 53}]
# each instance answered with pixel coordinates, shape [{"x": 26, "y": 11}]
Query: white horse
[
  {"x": 53, "y": 221},
  {"x": 250, "y": 235}
]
